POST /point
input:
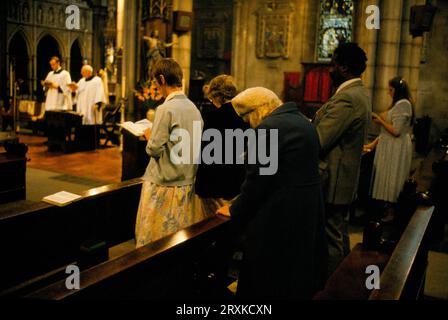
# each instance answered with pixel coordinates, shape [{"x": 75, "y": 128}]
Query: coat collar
[
  {"x": 349, "y": 84},
  {"x": 287, "y": 107}
]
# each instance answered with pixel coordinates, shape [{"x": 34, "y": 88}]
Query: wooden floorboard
[{"x": 102, "y": 164}]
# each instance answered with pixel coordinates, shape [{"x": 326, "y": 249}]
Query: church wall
[
  {"x": 212, "y": 38},
  {"x": 182, "y": 43},
  {"x": 36, "y": 19},
  {"x": 432, "y": 96},
  {"x": 250, "y": 71},
  {"x": 3, "y": 48}
]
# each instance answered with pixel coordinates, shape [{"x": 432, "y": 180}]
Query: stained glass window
[{"x": 335, "y": 26}]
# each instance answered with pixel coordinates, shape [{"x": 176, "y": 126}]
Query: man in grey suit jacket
[{"x": 342, "y": 125}]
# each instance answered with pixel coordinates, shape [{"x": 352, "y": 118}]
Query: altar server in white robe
[
  {"x": 90, "y": 96},
  {"x": 59, "y": 96}
]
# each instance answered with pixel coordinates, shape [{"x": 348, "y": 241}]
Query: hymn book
[
  {"x": 137, "y": 128},
  {"x": 62, "y": 198}
]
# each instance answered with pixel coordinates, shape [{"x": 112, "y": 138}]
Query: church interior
[{"x": 71, "y": 170}]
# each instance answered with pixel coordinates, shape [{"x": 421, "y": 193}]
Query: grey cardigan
[
  {"x": 177, "y": 112},
  {"x": 342, "y": 124}
]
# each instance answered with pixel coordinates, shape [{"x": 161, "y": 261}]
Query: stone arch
[
  {"x": 19, "y": 59},
  {"x": 61, "y": 47},
  {"x": 76, "y": 59},
  {"x": 47, "y": 47}
]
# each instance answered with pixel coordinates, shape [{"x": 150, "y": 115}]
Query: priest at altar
[
  {"x": 90, "y": 96},
  {"x": 58, "y": 95}
]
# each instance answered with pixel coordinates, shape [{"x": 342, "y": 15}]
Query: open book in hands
[
  {"x": 48, "y": 84},
  {"x": 73, "y": 86},
  {"x": 138, "y": 128},
  {"x": 224, "y": 211}
]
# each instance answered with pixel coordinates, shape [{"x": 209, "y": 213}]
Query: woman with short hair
[
  {"x": 167, "y": 197},
  {"x": 218, "y": 183}
]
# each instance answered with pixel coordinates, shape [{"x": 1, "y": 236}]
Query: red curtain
[
  {"x": 312, "y": 85},
  {"x": 317, "y": 85},
  {"x": 326, "y": 86}
]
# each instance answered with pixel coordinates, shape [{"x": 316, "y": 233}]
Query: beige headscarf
[{"x": 255, "y": 104}]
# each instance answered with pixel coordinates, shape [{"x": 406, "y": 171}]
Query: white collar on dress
[{"x": 402, "y": 100}]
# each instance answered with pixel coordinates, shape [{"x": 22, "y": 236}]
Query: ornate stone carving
[
  {"x": 25, "y": 12},
  {"x": 211, "y": 35},
  {"x": 157, "y": 9},
  {"x": 14, "y": 11},
  {"x": 61, "y": 17},
  {"x": 39, "y": 15},
  {"x": 274, "y": 20},
  {"x": 50, "y": 17}
]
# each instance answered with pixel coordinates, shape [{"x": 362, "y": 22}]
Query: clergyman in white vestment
[
  {"x": 59, "y": 96},
  {"x": 90, "y": 96}
]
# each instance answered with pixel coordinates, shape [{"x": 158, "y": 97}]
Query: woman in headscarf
[{"x": 281, "y": 211}]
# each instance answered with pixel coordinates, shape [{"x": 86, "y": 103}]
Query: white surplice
[
  {"x": 57, "y": 100},
  {"x": 89, "y": 93}
]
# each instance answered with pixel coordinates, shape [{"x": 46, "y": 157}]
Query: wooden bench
[
  {"x": 403, "y": 268},
  {"x": 36, "y": 237},
  {"x": 190, "y": 263},
  {"x": 13, "y": 177}
]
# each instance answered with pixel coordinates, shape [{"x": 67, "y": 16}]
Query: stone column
[
  {"x": 410, "y": 49},
  {"x": 416, "y": 53},
  {"x": 120, "y": 48},
  {"x": 126, "y": 40},
  {"x": 129, "y": 51},
  {"x": 182, "y": 47},
  {"x": 239, "y": 42},
  {"x": 3, "y": 60},
  {"x": 388, "y": 52},
  {"x": 367, "y": 40},
  {"x": 404, "y": 63}
]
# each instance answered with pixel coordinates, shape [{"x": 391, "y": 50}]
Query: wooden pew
[
  {"x": 404, "y": 275},
  {"x": 36, "y": 237},
  {"x": 402, "y": 267},
  {"x": 190, "y": 263}
]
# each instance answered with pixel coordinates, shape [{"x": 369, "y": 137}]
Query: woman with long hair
[{"x": 393, "y": 155}]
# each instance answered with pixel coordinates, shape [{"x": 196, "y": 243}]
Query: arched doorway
[
  {"x": 75, "y": 61},
  {"x": 18, "y": 57},
  {"x": 47, "y": 48}
]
